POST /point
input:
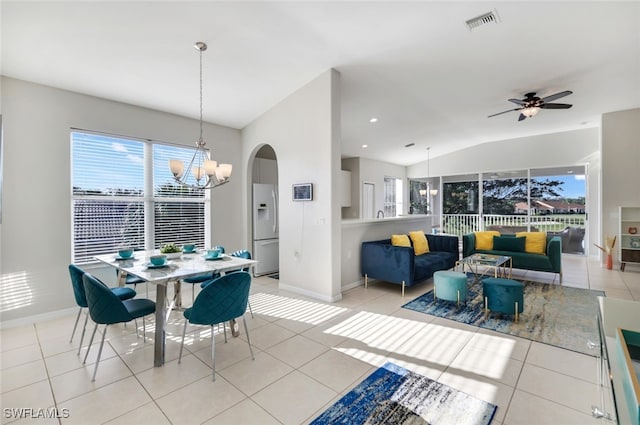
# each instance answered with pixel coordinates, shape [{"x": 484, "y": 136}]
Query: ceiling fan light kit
[{"x": 531, "y": 104}]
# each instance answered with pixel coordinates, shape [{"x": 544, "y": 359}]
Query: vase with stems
[{"x": 608, "y": 249}]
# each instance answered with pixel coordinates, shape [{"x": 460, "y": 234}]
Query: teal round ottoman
[
  {"x": 503, "y": 295},
  {"x": 450, "y": 286}
]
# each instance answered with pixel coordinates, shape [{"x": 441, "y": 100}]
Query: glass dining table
[{"x": 176, "y": 269}]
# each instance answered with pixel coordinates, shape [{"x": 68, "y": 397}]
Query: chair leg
[
  {"x": 251, "y": 310},
  {"x": 95, "y": 328},
  {"x": 95, "y": 370},
  {"x": 184, "y": 331},
  {"x": 213, "y": 355},
  {"x": 224, "y": 328},
  {"x": 76, "y": 325},
  {"x": 84, "y": 328},
  {"x": 135, "y": 321},
  {"x": 246, "y": 330},
  {"x": 144, "y": 331}
]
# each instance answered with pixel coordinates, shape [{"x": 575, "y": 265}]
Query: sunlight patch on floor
[
  {"x": 376, "y": 330},
  {"x": 293, "y": 309}
]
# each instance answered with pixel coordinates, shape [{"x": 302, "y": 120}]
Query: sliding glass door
[{"x": 551, "y": 200}]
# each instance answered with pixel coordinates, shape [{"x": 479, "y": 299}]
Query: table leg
[
  {"x": 177, "y": 288},
  {"x": 122, "y": 278},
  {"x": 159, "y": 343},
  {"x": 235, "y": 327}
]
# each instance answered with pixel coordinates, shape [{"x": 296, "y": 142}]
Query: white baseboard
[
  {"x": 37, "y": 318},
  {"x": 307, "y": 293},
  {"x": 355, "y": 284}
]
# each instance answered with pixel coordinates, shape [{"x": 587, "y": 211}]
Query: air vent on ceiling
[
  {"x": 487, "y": 18},
  {"x": 408, "y": 145}
]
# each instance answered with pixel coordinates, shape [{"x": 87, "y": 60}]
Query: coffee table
[{"x": 481, "y": 264}]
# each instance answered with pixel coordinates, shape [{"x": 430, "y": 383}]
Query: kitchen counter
[{"x": 411, "y": 217}]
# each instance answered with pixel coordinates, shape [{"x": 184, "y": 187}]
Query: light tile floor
[{"x": 307, "y": 355}]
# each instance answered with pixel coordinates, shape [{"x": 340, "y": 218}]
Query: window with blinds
[{"x": 112, "y": 196}]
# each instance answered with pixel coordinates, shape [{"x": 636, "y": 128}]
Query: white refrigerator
[{"x": 265, "y": 228}]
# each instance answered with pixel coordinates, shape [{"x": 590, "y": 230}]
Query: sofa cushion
[
  {"x": 400, "y": 240},
  {"x": 509, "y": 243},
  {"x": 524, "y": 260},
  {"x": 419, "y": 240},
  {"x": 484, "y": 240},
  {"x": 535, "y": 242}
]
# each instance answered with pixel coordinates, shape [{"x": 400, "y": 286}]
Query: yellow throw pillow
[
  {"x": 535, "y": 242},
  {"x": 400, "y": 240},
  {"x": 484, "y": 240},
  {"x": 420, "y": 243}
]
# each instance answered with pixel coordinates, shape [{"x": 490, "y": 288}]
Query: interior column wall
[
  {"x": 304, "y": 131},
  {"x": 620, "y": 169}
]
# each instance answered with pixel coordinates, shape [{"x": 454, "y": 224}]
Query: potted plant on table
[{"x": 171, "y": 250}]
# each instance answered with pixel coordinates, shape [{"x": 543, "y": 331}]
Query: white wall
[
  {"x": 304, "y": 130},
  {"x": 580, "y": 147},
  {"x": 373, "y": 171},
  {"x": 621, "y": 168},
  {"x": 36, "y": 204}
]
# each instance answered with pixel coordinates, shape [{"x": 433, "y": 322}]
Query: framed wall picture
[{"x": 303, "y": 192}]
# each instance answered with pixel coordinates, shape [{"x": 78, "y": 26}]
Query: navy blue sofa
[{"x": 398, "y": 264}]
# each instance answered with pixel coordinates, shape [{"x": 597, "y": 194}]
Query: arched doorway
[{"x": 264, "y": 211}]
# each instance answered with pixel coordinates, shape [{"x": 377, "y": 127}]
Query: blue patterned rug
[
  {"x": 553, "y": 314},
  {"x": 394, "y": 395}
]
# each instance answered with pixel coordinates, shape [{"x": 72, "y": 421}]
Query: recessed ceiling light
[
  {"x": 365, "y": 146},
  {"x": 374, "y": 119},
  {"x": 570, "y": 172}
]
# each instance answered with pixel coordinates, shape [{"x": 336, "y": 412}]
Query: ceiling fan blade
[
  {"x": 517, "y": 101},
  {"x": 556, "y": 96},
  {"x": 504, "y": 112},
  {"x": 555, "y": 106},
  {"x": 521, "y": 117}
]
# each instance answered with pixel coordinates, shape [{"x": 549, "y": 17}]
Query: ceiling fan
[{"x": 531, "y": 104}]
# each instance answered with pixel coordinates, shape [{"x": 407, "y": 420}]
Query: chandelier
[{"x": 202, "y": 172}]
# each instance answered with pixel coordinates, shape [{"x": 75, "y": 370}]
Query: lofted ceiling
[{"x": 416, "y": 66}]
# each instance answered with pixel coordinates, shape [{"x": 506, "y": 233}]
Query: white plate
[
  {"x": 153, "y": 266},
  {"x": 124, "y": 259},
  {"x": 219, "y": 257}
]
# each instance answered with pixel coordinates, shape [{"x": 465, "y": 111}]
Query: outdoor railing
[{"x": 460, "y": 224}]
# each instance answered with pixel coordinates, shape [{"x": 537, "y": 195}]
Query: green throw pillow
[{"x": 509, "y": 243}]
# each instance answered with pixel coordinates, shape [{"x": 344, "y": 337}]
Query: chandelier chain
[
  {"x": 207, "y": 173},
  {"x": 200, "y": 139}
]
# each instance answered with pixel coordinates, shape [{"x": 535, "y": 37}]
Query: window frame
[{"x": 150, "y": 199}]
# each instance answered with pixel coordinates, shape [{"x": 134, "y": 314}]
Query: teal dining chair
[
  {"x": 76, "y": 274},
  {"x": 222, "y": 300},
  {"x": 201, "y": 278},
  {"x": 241, "y": 253},
  {"x": 107, "y": 309}
]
